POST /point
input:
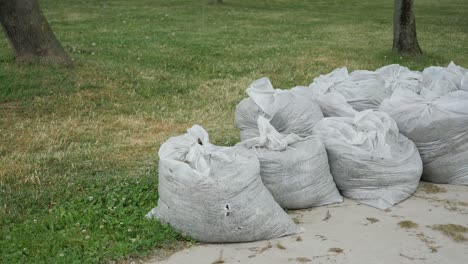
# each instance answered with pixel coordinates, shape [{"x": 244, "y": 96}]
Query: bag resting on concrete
[
  {"x": 294, "y": 169},
  {"x": 215, "y": 194},
  {"x": 439, "y": 127},
  {"x": 370, "y": 161}
]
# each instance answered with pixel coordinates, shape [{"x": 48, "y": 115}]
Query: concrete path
[{"x": 353, "y": 233}]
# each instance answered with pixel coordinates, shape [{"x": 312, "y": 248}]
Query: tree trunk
[
  {"x": 29, "y": 33},
  {"x": 404, "y": 28},
  {"x": 211, "y": 2}
]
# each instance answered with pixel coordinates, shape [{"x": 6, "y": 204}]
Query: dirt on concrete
[{"x": 352, "y": 228}]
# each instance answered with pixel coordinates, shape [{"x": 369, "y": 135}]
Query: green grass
[{"x": 78, "y": 147}]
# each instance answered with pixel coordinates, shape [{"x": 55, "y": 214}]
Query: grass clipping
[
  {"x": 453, "y": 231},
  {"x": 407, "y": 224},
  {"x": 431, "y": 188},
  {"x": 336, "y": 250}
]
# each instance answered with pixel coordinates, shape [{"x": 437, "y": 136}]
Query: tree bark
[
  {"x": 404, "y": 28},
  {"x": 211, "y": 2},
  {"x": 29, "y": 33}
]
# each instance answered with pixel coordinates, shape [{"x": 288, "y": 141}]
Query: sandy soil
[{"x": 353, "y": 233}]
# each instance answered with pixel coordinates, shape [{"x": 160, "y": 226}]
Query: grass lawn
[{"x": 78, "y": 147}]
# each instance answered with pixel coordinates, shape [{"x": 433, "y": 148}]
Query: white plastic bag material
[
  {"x": 361, "y": 89},
  {"x": 334, "y": 105},
  {"x": 464, "y": 83},
  {"x": 371, "y": 162},
  {"x": 452, "y": 75},
  {"x": 294, "y": 169},
  {"x": 439, "y": 127},
  {"x": 459, "y": 74},
  {"x": 328, "y": 82},
  {"x": 289, "y": 111},
  {"x": 400, "y": 77},
  {"x": 215, "y": 194},
  {"x": 438, "y": 88}
]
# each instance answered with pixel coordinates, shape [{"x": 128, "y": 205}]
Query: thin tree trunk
[
  {"x": 404, "y": 28},
  {"x": 29, "y": 33}
]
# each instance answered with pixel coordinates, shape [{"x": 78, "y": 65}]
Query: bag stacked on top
[
  {"x": 338, "y": 92},
  {"x": 361, "y": 89},
  {"x": 450, "y": 78},
  {"x": 294, "y": 169},
  {"x": 399, "y": 77},
  {"x": 288, "y": 110},
  {"x": 370, "y": 161},
  {"x": 334, "y": 104},
  {"x": 438, "y": 124},
  {"x": 215, "y": 194}
]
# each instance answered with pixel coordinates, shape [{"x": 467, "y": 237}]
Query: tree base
[
  {"x": 216, "y": 2},
  {"x": 30, "y": 35},
  {"x": 47, "y": 60},
  {"x": 404, "y": 29}
]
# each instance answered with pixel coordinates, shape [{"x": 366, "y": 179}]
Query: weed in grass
[
  {"x": 82, "y": 221},
  {"x": 407, "y": 224},
  {"x": 453, "y": 231}
]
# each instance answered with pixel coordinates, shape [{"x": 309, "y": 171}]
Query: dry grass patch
[
  {"x": 431, "y": 188},
  {"x": 453, "y": 231},
  {"x": 407, "y": 224},
  {"x": 428, "y": 242},
  {"x": 303, "y": 259},
  {"x": 37, "y": 146}
]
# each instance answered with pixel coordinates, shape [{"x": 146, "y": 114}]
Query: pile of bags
[
  {"x": 429, "y": 107},
  {"x": 367, "y": 135}
]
